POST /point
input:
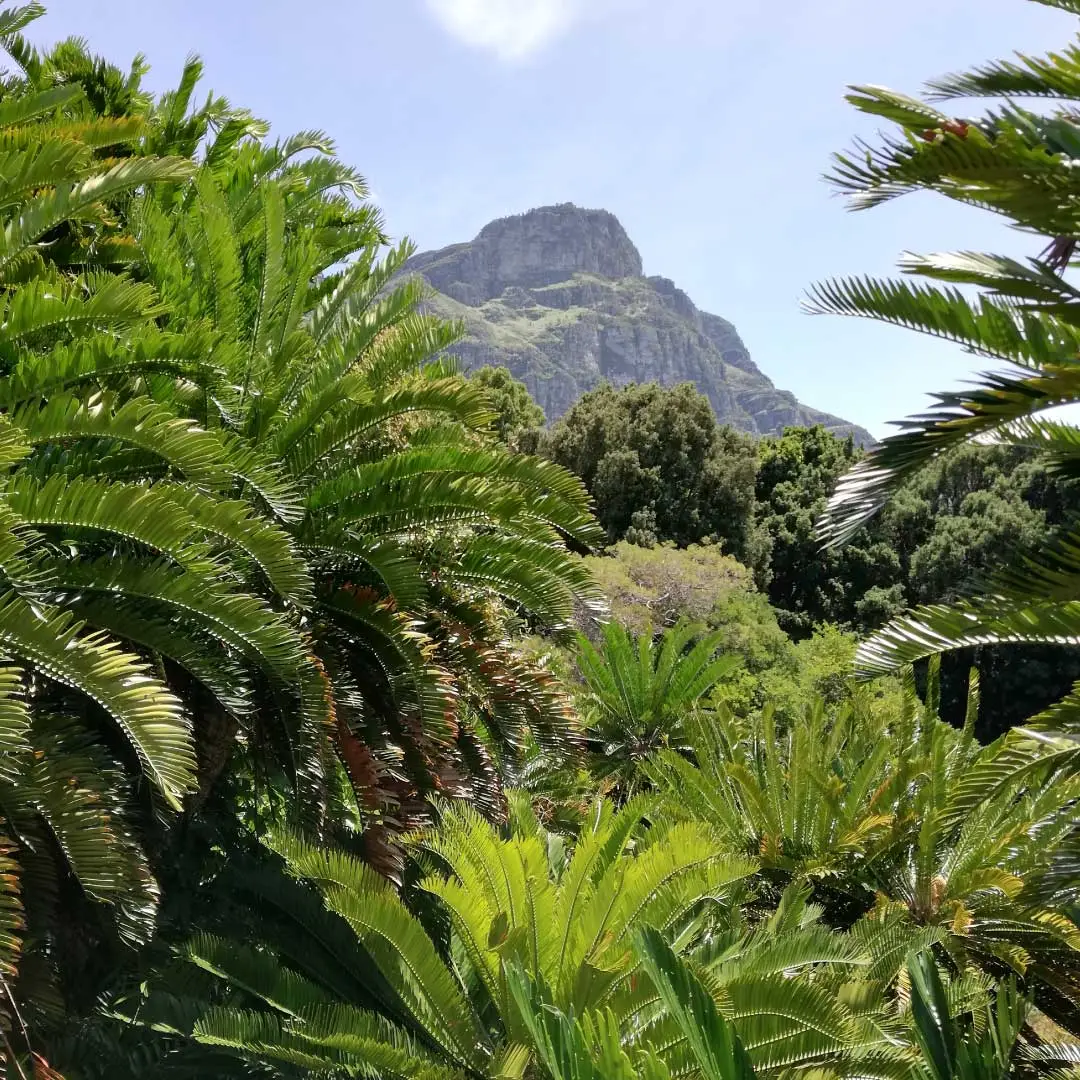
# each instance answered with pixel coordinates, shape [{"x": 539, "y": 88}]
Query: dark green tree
[
  {"x": 660, "y": 467},
  {"x": 519, "y": 421},
  {"x": 857, "y": 586}
]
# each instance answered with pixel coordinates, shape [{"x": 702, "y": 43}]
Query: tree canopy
[{"x": 659, "y": 467}]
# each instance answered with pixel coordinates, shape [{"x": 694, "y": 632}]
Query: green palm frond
[
  {"x": 1070, "y": 6},
  {"x": 14, "y": 724},
  {"x": 256, "y": 972},
  {"x": 226, "y": 676},
  {"x": 541, "y": 578},
  {"x": 239, "y": 620},
  {"x": 78, "y": 796},
  {"x": 143, "y": 514},
  {"x": 397, "y": 942},
  {"x": 997, "y": 402},
  {"x": 77, "y": 201},
  {"x": 25, "y": 170},
  {"x": 1054, "y": 76},
  {"x": 341, "y": 315},
  {"x": 19, "y": 109},
  {"x": 1016, "y": 163},
  {"x": 75, "y": 308},
  {"x": 641, "y": 693},
  {"x": 340, "y": 426},
  {"x": 268, "y": 545},
  {"x": 949, "y": 1051},
  {"x": 189, "y": 356},
  {"x": 198, "y": 455},
  {"x": 938, "y": 628},
  {"x": 577, "y": 1048},
  {"x": 11, "y": 912},
  {"x": 988, "y": 327},
  {"x": 150, "y": 718},
  {"x": 322, "y": 1042},
  {"x": 716, "y": 1049}
]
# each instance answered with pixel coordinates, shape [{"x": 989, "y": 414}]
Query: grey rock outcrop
[{"x": 557, "y": 295}]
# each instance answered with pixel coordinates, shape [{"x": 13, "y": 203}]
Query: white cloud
[{"x": 512, "y": 29}]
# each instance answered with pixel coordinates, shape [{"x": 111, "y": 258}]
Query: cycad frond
[
  {"x": 75, "y": 201},
  {"x": 988, "y": 327},
  {"x": 14, "y": 724},
  {"x": 1053, "y": 76},
  {"x": 397, "y": 942},
  {"x": 16, "y": 110},
  {"x": 80, "y": 800},
  {"x": 267, "y": 544},
  {"x": 75, "y": 309},
  {"x": 198, "y": 455},
  {"x": 997, "y": 402},
  {"x": 239, "y": 620},
  {"x": 189, "y": 356},
  {"x": 716, "y": 1049},
  {"x": 938, "y": 628},
  {"x": 151, "y": 719},
  {"x": 134, "y": 512}
]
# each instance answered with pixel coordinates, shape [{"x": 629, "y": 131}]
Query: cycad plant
[
  {"x": 566, "y": 918},
  {"x": 904, "y": 830},
  {"x": 945, "y": 1040},
  {"x": 240, "y": 508},
  {"x": 591, "y": 1046},
  {"x": 423, "y": 540},
  {"x": 637, "y": 952},
  {"x": 639, "y": 693},
  {"x": 1017, "y": 161},
  {"x": 87, "y": 723}
]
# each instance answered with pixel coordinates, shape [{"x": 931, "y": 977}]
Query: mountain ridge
[{"x": 559, "y": 296}]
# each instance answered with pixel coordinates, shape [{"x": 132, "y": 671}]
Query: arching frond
[
  {"x": 103, "y": 301},
  {"x": 992, "y": 406},
  {"x": 239, "y": 620},
  {"x": 266, "y": 543},
  {"x": 397, "y": 942},
  {"x": 189, "y": 356},
  {"x": 150, "y": 718},
  {"x": 989, "y": 327},
  {"x": 716, "y": 1049},
  {"x": 939, "y": 628},
  {"x": 198, "y": 455},
  {"x": 80, "y": 800},
  {"x": 74, "y": 201},
  {"x": 134, "y": 512},
  {"x": 1053, "y": 76}
]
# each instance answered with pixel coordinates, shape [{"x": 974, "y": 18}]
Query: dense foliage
[
  {"x": 332, "y": 745},
  {"x": 519, "y": 421},
  {"x": 648, "y": 457},
  {"x": 247, "y": 525},
  {"x": 659, "y": 467}
]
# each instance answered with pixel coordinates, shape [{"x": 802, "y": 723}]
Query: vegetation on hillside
[{"x": 339, "y": 738}]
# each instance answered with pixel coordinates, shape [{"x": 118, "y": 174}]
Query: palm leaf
[
  {"x": 71, "y": 202},
  {"x": 717, "y": 1051},
  {"x": 150, "y": 718}
]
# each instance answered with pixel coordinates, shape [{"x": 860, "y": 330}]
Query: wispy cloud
[{"x": 512, "y": 29}]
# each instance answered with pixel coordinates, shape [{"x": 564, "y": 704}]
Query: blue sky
[{"x": 704, "y": 125}]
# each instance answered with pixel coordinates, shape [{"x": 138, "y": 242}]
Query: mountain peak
[
  {"x": 540, "y": 247},
  {"x": 565, "y": 238}
]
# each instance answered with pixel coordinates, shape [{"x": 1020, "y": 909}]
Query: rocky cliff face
[{"x": 557, "y": 296}]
